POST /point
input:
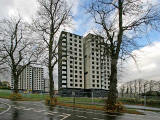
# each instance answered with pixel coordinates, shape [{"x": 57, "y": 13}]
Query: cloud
[
  {"x": 26, "y": 8},
  {"x": 147, "y": 64}
]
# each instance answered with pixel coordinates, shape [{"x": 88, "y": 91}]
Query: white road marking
[
  {"x": 29, "y": 109},
  {"x": 66, "y": 116},
  {"x": 97, "y": 119},
  {"x": 39, "y": 110},
  {"x": 9, "y": 107},
  {"x": 81, "y": 116}
]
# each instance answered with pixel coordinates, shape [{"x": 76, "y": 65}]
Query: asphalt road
[{"x": 38, "y": 111}]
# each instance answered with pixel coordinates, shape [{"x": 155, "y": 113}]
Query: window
[
  {"x": 80, "y": 50},
  {"x": 71, "y": 75},
  {"x": 80, "y": 80},
  {"x": 75, "y": 49},
  {"x": 70, "y": 39},
  {"x": 70, "y": 35},
  {"x": 76, "y": 85},
  {"x": 70, "y": 48},
  {"x": 80, "y": 72},
  {"x": 76, "y": 80},
  {"x": 80, "y": 63},
  {"x": 93, "y": 76},
  {"x": 97, "y": 85},
  {"x": 79, "y": 37},
  {"x": 71, "y": 66},
  {"x": 71, "y": 70},
  {"x": 93, "y": 71},
  {"x": 70, "y": 43},
  {"x": 97, "y": 76},
  {"x": 71, "y": 84},
  {"x": 80, "y": 67},
  {"x": 97, "y": 81},
  {"x": 80, "y": 54},
  {"x": 76, "y": 62},
  {"x": 93, "y": 85},
  {"x": 93, "y": 80},
  {"x": 75, "y": 71},
  {"x": 80, "y": 85},
  {"x": 80, "y": 46},
  {"x": 75, "y": 40},
  {"x": 75, "y": 76},
  {"x": 75, "y": 45},
  {"x": 92, "y": 67},
  {"x": 80, "y": 76}
]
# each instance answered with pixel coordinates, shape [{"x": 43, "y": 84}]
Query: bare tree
[
  {"x": 52, "y": 15},
  {"x": 117, "y": 18},
  {"x": 122, "y": 90},
  {"x": 17, "y": 50}
]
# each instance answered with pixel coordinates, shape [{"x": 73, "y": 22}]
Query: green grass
[
  {"x": 80, "y": 99},
  {"x": 5, "y": 93}
]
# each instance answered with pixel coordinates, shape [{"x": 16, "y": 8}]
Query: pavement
[
  {"x": 142, "y": 107},
  {"x": 26, "y": 110}
]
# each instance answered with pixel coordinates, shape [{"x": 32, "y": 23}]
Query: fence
[{"x": 139, "y": 99}]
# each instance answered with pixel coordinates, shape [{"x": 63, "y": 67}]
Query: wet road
[{"x": 38, "y": 111}]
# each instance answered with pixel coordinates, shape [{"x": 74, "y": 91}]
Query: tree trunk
[
  {"x": 50, "y": 68},
  {"x": 15, "y": 77},
  {"x": 51, "y": 91},
  {"x": 112, "y": 96}
]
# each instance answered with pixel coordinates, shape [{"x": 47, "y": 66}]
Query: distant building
[
  {"x": 82, "y": 66},
  {"x": 30, "y": 79}
]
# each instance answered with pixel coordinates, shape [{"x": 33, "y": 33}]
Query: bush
[
  {"x": 50, "y": 101},
  {"x": 113, "y": 107},
  {"x": 15, "y": 96}
]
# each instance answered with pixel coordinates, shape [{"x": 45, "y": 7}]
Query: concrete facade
[
  {"x": 30, "y": 79},
  {"x": 82, "y": 64}
]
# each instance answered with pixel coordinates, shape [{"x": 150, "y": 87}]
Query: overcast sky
[{"x": 148, "y": 57}]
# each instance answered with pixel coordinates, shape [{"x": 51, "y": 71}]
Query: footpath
[{"x": 142, "y": 107}]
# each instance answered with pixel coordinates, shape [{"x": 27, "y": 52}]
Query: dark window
[
  {"x": 97, "y": 85},
  {"x": 93, "y": 80},
  {"x": 70, "y": 39},
  {"x": 80, "y": 72},
  {"x": 97, "y": 81},
  {"x": 93, "y": 85},
  {"x": 71, "y": 84},
  {"x": 75, "y": 80},
  {"x": 70, "y": 35},
  {"x": 93, "y": 76},
  {"x": 80, "y": 46},
  {"x": 76, "y": 85},
  {"x": 70, "y": 43},
  {"x": 80, "y": 85},
  {"x": 80, "y": 80},
  {"x": 75, "y": 76}
]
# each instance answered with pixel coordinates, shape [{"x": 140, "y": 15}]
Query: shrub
[
  {"x": 113, "y": 107},
  {"x": 15, "y": 96},
  {"x": 51, "y": 101}
]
